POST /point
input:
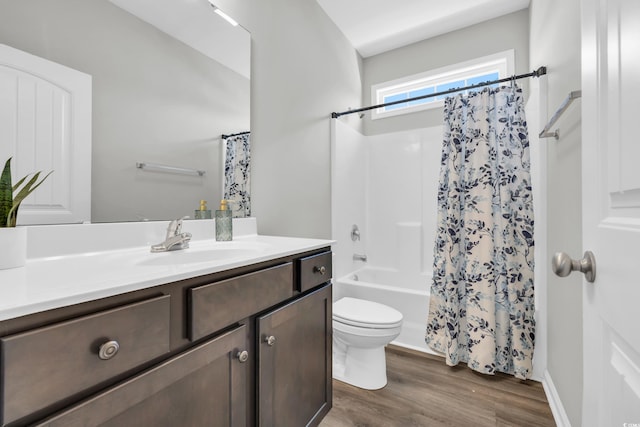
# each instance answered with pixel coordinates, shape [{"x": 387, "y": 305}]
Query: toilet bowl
[{"x": 361, "y": 330}]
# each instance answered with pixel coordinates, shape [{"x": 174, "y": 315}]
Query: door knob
[
  {"x": 270, "y": 340},
  {"x": 563, "y": 265}
]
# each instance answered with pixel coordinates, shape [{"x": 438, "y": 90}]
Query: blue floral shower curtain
[
  {"x": 237, "y": 174},
  {"x": 481, "y": 309}
]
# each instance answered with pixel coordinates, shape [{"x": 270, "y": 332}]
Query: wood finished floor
[{"x": 423, "y": 391}]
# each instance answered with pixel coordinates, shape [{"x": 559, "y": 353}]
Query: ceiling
[
  {"x": 194, "y": 23},
  {"x": 376, "y": 26},
  {"x": 371, "y": 26}
]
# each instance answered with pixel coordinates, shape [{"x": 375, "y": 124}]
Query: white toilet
[{"x": 361, "y": 330}]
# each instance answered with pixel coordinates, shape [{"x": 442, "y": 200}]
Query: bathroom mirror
[{"x": 169, "y": 77}]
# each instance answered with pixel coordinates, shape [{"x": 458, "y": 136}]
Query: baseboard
[
  {"x": 557, "y": 409},
  {"x": 397, "y": 344},
  {"x": 401, "y": 349}
]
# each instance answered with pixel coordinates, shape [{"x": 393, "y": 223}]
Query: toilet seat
[{"x": 365, "y": 314}]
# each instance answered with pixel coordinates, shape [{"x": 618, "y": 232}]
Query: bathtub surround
[
  {"x": 482, "y": 302},
  {"x": 396, "y": 217}
]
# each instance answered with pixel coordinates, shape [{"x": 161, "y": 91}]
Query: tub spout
[{"x": 359, "y": 257}]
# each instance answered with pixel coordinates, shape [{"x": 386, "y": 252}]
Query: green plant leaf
[
  {"x": 18, "y": 184},
  {"x": 6, "y": 194},
  {"x": 28, "y": 188}
]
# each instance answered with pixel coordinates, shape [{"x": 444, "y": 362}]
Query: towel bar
[{"x": 565, "y": 104}]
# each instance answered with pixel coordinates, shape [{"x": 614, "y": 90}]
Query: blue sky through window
[
  {"x": 447, "y": 86},
  {"x": 421, "y": 92},
  {"x": 482, "y": 79},
  {"x": 393, "y": 98},
  {"x": 433, "y": 89}
]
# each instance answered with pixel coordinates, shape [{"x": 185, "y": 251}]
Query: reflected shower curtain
[
  {"x": 481, "y": 309},
  {"x": 237, "y": 174}
]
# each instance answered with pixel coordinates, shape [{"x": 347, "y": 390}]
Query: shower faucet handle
[{"x": 355, "y": 233}]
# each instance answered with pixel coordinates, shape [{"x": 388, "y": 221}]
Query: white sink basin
[{"x": 211, "y": 252}]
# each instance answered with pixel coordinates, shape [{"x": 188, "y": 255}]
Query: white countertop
[{"x": 53, "y": 281}]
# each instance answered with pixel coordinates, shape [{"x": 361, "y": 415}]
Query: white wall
[
  {"x": 555, "y": 42},
  {"x": 302, "y": 69},
  {"x": 496, "y": 35}
]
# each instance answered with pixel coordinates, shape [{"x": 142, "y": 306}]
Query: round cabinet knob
[
  {"x": 320, "y": 270},
  {"x": 270, "y": 340},
  {"x": 243, "y": 356},
  {"x": 108, "y": 350},
  {"x": 563, "y": 265}
]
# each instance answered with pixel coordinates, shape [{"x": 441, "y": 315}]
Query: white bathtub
[{"x": 407, "y": 293}]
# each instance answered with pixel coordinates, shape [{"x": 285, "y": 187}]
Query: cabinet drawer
[
  {"x": 203, "y": 386},
  {"x": 314, "y": 270},
  {"x": 44, "y": 366},
  {"x": 220, "y": 304}
]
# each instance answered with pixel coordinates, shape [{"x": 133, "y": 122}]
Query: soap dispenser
[
  {"x": 224, "y": 222},
  {"x": 203, "y": 212}
]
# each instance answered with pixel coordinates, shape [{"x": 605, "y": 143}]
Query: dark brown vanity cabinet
[
  {"x": 243, "y": 347},
  {"x": 294, "y": 362}
]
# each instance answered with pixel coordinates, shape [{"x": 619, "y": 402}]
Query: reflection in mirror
[{"x": 169, "y": 77}]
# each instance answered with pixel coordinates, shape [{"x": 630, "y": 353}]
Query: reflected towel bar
[
  {"x": 165, "y": 168},
  {"x": 544, "y": 133}
]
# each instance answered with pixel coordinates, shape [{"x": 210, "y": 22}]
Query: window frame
[{"x": 502, "y": 62}]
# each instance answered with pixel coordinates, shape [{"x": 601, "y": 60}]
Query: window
[{"x": 468, "y": 73}]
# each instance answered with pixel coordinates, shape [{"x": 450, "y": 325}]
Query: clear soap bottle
[
  {"x": 224, "y": 223},
  {"x": 203, "y": 212}
]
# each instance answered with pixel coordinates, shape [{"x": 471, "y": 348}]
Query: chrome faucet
[
  {"x": 175, "y": 239},
  {"x": 359, "y": 257}
]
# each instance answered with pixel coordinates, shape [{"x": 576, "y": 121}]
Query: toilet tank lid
[{"x": 363, "y": 311}]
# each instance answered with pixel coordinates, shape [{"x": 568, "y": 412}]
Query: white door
[
  {"x": 611, "y": 210},
  {"x": 45, "y": 125}
]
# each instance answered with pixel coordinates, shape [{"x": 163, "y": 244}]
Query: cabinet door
[
  {"x": 203, "y": 386},
  {"x": 294, "y": 362}
]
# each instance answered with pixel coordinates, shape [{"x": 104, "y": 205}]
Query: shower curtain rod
[
  {"x": 223, "y": 136},
  {"x": 537, "y": 73}
]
